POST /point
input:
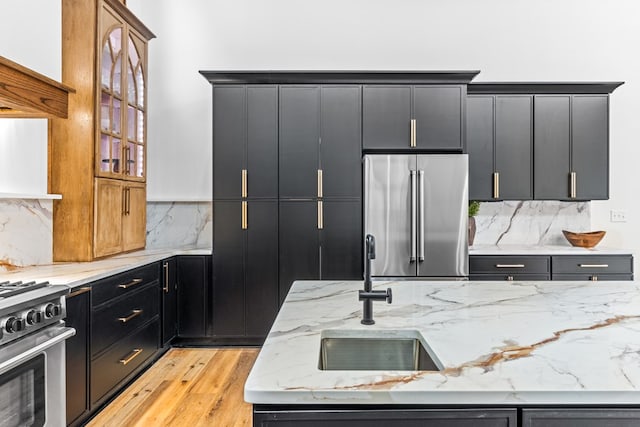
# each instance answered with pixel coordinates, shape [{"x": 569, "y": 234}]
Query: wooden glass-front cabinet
[{"x": 98, "y": 156}]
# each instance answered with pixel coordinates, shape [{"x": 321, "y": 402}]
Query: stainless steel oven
[{"x": 32, "y": 358}]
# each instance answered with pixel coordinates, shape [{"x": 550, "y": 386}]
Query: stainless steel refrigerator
[{"x": 416, "y": 207}]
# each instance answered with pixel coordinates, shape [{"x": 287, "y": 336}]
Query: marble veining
[
  {"x": 171, "y": 224},
  {"x": 524, "y": 342},
  {"x": 530, "y": 222}
]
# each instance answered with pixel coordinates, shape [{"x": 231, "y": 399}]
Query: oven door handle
[{"x": 30, "y": 346}]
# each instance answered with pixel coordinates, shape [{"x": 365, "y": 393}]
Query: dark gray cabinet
[
  {"x": 509, "y": 267},
  {"x": 500, "y": 145},
  {"x": 77, "y": 355},
  {"x": 581, "y": 417},
  {"x": 571, "y": 154},
  {"x": 592, "y": 267},
  {"x": 169, "y": 298},
  {"x": 421, "y": 117},
  {"x": 193, "y": 295}
]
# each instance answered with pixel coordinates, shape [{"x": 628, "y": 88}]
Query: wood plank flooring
[{"x": 187, "y": 387}]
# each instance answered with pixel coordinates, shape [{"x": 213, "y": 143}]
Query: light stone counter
[
  {"x": 515, "y": 343},
  {"x": 513, "y": 249},
  {"x": 74, "y": 274}
]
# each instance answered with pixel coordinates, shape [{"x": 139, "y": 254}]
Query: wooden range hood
[{"x": 25, "y": 93}]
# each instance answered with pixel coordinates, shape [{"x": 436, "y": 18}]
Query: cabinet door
[
  {"x": 299, "y": 137},
  {"x": 76, "y": 354},
  {"x": 193, "y": 272},
  {"x": 228, "y": 269},
  {"x": 590, "y": 146},
  {"x": 134, "y": 220},
  {"x": 438, "y": 111},
  {"x": 341, "y": 240},
  {"x": 552, "y": 147},
  {"x": 480, "y": 144},
  {"x": 340, "y": 147},
  {"x": 299, "y": 246},
  {"x": 580, "y": 417},
  {"x": 261, "y": 267},
  {"x": 386, "y": 117},
  {"x": 229, "y": 136},
  {"x": 513, "y": 146},
  {"x": 262, "y": 141},
  {"x": 108, "y": 217},
  {"x": 169, "y": 300}
]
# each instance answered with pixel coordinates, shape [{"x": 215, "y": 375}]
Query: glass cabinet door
[
  {"x": 111, "y": 103},
  {"x": 135, "y": 153}
]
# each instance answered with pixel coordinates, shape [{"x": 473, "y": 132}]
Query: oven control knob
[
  {"x": 14, "y": 324},
  {"x": 51, "y": 310},
  {"x": 32, "y": 317}
]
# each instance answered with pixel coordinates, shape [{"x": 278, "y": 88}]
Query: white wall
[{"x": 31, "y": 36}]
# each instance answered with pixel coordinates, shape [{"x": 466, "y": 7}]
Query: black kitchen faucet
[{"x": 367, "y": 296}]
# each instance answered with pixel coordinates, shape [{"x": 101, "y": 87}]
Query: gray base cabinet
[
  {"x": 581, "y": 417},
  {"x": 77, "y": 355},
  {"x": 193, "y": 295}
]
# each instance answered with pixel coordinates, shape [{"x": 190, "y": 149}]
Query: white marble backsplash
[
  {"x": 26, "y": 236},
  {"x": 530, "y": 222},
  {"x": 177, "y": 224}
]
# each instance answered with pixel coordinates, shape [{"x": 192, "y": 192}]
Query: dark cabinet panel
[
  {"x": 169, "y": 300},
  {"x": 229, "y": 135},
  {"x": 509, "y": 264},
  {"x": 340, "y": 143},
  {"x": 581, "y": 417},
  {"x": 262, "y": 141},
  {"x": 261, "y": 273},
  {"x": 193, "y": 295},
  {"x": 299, "y": 137},
  {"x": 299, "y": 243},
  {"x": 77, "y": 354},
  {"x": 590, "y": 146},
  {"x": 438, "y": 112},
  {"x": 386, "y": 117},
  {"x": 341, "y": 240},
  {"x": 480, "y": 146}
]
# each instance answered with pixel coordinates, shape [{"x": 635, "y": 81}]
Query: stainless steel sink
[{"x": 402, "y": 350}]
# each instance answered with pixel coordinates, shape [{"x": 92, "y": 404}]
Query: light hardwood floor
[{"x": 186, "y": 387}]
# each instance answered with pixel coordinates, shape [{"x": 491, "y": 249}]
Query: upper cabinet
[{"x": 98, "y": 155}]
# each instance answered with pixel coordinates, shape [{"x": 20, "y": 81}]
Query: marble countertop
[
  {"x": 74, "y": 274},
  {"x": 543, "y": 250},
  {"x": 499, "y": 343}
]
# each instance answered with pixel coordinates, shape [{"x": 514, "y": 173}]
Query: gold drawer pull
[
  {"x": 165, "y": 266},
  {"x": 412, "y": 133},
  {"x": 133, "y": 355},
  {"x": 130, "y": 284},
  {"x": 510, "y": 278},
  {"x": 496, "y": 185},
  {"x": 594, "y": 278},
  {"x": 79, "y": 292},
  {"x": 593, "y": 265},
  {"x": 134, "y": 313},
  {"x": 509, "y": 265}
]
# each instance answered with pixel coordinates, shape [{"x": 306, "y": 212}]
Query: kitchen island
[{"x": 517, "y": 352}]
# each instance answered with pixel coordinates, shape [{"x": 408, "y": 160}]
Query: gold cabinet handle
[
  {"x": 320, "y": 215},
  {"x": 510, "y": 278},
  {"x": 134, "y": 313},
  {"x": 130, "y": 357},
  {"x": 412, "y": 141},
  {"x": 79, "y": 292},
  {"x": 509, "y": 265},
  {"x": 496, "y": 185},
  {"x": 130, "y": 284},
  {"x": 244, "y": 215},
  {"x": 165, "y": 267},
  {"x": 593, "y": 265},
  {"x": 128, "y": 200},
  {"x": 244, "y": 183},
  {"x": 320, "y": 190},
  {"x": 594, "y": 278},
  {"x": 573, "y": 185}
]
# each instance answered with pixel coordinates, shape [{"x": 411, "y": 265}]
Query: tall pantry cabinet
[{"x": 98, "y": 155}]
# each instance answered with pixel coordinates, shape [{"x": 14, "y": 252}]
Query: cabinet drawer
[
  {"x": 592, "y": 264},
  {"x": 508, "y": 264},
  {"x": 594, "y": 277},
  {"x": 123, "y": 283},
  {"x": 113, "y": 322},
  {"x": 510, "y": 277},
  {"x": 122, "y": 359}
]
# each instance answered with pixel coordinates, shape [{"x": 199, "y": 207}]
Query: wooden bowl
[{"x": 584, "y": 240}]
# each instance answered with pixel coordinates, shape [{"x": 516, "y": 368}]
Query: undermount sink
[{"x": 357, "y": 350}]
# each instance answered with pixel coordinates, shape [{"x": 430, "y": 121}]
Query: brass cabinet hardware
[
  {"x": 412, "y": 137},
  {"x": 573, "y": 179},
  {"x": 510, "y": 266},
  {"x": 244, "y": 224},
  {"x": 133, "y": 355},
  {"x": 165, "y": 267},
  {"x": 130, "y": 284},
  {"x": 79, "y": 292},
  {"x": 320, "y": 183},
  {"x": 320, "y": 215},
  {"x": 128, "y": 200},
  {"x": 510, "y": 278},
  {"x": 244, "y": 183},
  {"x": 593, "y": 265},
  {"x": 496, "y": 185},
  {"x": 594, "y": 278},
  {"x": 134, "y": 313}
]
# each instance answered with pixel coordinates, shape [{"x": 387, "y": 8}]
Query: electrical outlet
[{"x": 618, "y": 216}]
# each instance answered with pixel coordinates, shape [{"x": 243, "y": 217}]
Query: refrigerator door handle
[
  {"x": 421, "y": 215},
  {"x": 412, "y": 256}
]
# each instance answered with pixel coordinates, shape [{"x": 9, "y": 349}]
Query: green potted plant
[{"x": 474, "y": 207}]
